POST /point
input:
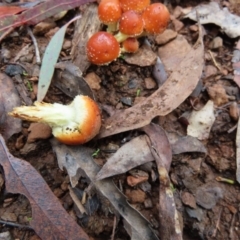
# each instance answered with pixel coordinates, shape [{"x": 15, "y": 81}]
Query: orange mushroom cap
[
  {"x": 136, "y": 5},
  {"x": 72, "y": 124},
  {"x": 130, "y": 45},
  {"x": 102, "y": 48},
  {"x": 155, "y": 18},
  {"x": 131, "y": 23},
  {"x": 109, "y": 11}
]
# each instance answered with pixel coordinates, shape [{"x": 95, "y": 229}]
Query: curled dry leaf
[
  {"x": 80, "y": 158},
  {"x": 212, "y": 13},
  {"x": 168, "y": 215},
  {"x": 238, "y": 151},
  {"x": 169, "y": 96},
  {"x": 49, "y": 218},
  {"x": 9, "y": 99}
]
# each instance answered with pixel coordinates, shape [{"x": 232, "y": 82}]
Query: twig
[
  {"x": 6, "y": 33},
  {"x": 218, "y": 223},
  {"x": 38, "y": 58},
  {"x": 114, "y": 227},
  {"x": 214, "y": 61},
  {"x": 11, "y": 224},
  {"x": 232, "y": 227},
  {"x": 232, "y": 128},
  {"x": 77, "y": 201}
]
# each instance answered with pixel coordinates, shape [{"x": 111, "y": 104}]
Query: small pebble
[
  {"x": 150, "y": 83},
  {"x": 234, "y": 111},
  {"x": 127, "y": 101},
  {"x": 216, "y": 43},
  {"x": 148, "y": 203},
  {"x": 165, "y": 37}
]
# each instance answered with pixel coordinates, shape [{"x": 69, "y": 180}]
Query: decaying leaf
[
  {"x": 169, "y": 96},
  {"x": 181, "y": 144},
  {"x": 77, "y": 158},
  {"x": 212, "y": 13},
  {"x": 38, "y": 13},
  {"x": 49, "y": 218},
  {"x": 168, "y": 215},
  {"x": 50, "y": 58},
  {"x": 130, "y": 155},
  {"x": 238, "y": 152},
  {"x": 9, "y": 99},
  {"x": 200, "y": 122},
  {"x": 137, "y": 152},
  {"x": 10, "y": 10},
  {"x": 69, "y": 79}
]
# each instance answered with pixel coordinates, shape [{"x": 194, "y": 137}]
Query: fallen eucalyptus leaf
[
  {"x": 9, "y": 99},
  {"x": 49, "y": 219},
  {"x": 168, "y": 215},
  {"x": 50, "y": 59},
  {"x": 134, "y": 153},
  {"x": 168, "y": 97}
]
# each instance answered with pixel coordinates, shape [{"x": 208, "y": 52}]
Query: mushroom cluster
[{"x": 126, "y": 21}]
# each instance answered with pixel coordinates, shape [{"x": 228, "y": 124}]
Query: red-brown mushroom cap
[
  {"x": 130, "y": 45},
  {"x": 109, "y": 11},
  {"x": 155, "y": 18},
  {"x": 131, "y": 23},
  {"x": 102, "y": 48},
  {"x": 136, "y": 5}
]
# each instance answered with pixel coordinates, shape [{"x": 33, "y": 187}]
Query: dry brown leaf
[
  {"x": 9, "y": 99},
  {"x": 49, "y": 219},
  {"x": 173, "y": 92},
  {"x": 168, "y": 215}
]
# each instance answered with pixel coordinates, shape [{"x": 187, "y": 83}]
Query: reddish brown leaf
[
  {"x": 38, "y": 13},
  {"x": 49, "y": 219},
  {"x": 9, "y": 10}
]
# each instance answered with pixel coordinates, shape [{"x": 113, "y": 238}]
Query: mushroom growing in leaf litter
[
  {"x": 72, "y": 124},
  {"x": 155, "y": 18},
  {"x": 130, "y": 45},
  {"x": 130, "y": 25},
  {"x": 102, "y": 48},
  {"x": 109, "y": 12},
  {"x": 136, "y": 5}
]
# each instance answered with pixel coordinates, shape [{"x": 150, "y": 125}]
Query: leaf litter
[
  {"x": 80, "y": 158},
  {"x": 180, "y": 84},
  {"x": 49, "y": 218},
  {"x": 174, "y": 175}
]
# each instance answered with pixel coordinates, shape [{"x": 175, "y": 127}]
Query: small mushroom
[
  {"x": 155, "y": 18},
  {"x": 72, "y": 124},
  {"x": 130, "y": 45},
  {"x": 130, "y": 25},
  {"x": 102, "y": 48},
  {"x": 109, "y": 12},
  {"x": 136, "y": 5}
]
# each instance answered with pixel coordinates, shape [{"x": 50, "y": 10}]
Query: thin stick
[
  {"x": 214, "y": 61},
  {"x": 217, "y": 224},
  {"x": 114, "y": 227},
  {"x": 6, "y": 33},
  {"x": 77, "y": 201},
  {"x": 11, "y": 224},
  {"x": 38, "y": 58}
]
